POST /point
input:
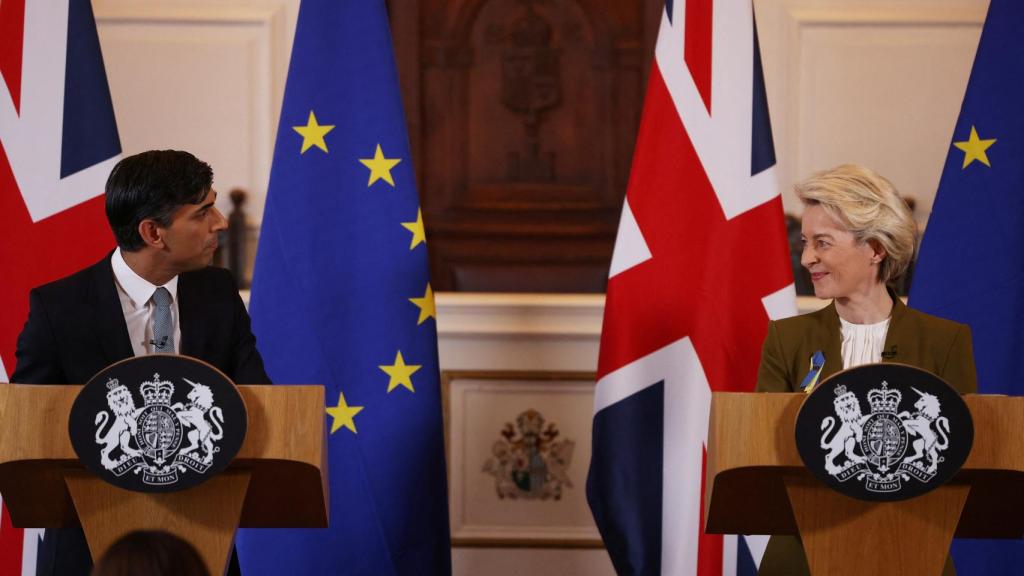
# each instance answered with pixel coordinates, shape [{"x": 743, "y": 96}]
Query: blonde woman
[{"x": 858, "y": 238}]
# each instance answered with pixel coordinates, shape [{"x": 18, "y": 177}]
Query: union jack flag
[
  {"x": 58, "y": 142},
  {"x": 700, "y": 265}
]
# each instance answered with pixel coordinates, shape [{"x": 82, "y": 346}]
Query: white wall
[
  {"x": 207, "y": 77},
  {"x": 874, "y": 82}
]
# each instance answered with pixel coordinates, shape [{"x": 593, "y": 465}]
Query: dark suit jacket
[
  {"x": 76, "y": 328},
  {"x": 940, "y": 346}
]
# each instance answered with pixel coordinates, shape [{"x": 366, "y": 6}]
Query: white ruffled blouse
[{"x": 863, "y": 343}]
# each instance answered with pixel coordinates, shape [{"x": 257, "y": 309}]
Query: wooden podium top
[
  {"x": 285, "y": 449},
  {"x": 751, "y": 447}
]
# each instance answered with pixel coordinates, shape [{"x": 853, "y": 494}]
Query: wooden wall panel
[{"x": 522, "y": 120}]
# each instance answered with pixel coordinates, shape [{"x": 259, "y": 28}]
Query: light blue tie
[{"x": 163, "y": 329}]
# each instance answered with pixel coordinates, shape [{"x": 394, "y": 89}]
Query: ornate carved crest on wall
[
  {"x": 531, "y": 85},
  {"x": 530, "y": 461},
  {"x": 522, "y": 117}
]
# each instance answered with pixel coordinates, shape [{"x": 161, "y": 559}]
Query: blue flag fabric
[
  {"x": 971, "y": 265},
  {"x": 341, "y": 296}
]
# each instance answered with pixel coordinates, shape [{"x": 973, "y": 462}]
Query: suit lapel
[
  {"x": 193, "y": 316},
  {"x": 830, "y": 335},
  {"x": 108, "y": 317},
  {"x": 895, "y": 335}
]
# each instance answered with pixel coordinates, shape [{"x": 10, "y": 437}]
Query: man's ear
[{"x": 151, "y": 233}]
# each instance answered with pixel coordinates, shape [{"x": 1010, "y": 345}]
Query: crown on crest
[
  {"x": 843, "y": 395},
  {"x": 530, "y": 422},
  {"x": 157, "y": 391},
  {"x": 884, "y": 400},
  {"x": 114, "y": 388}
]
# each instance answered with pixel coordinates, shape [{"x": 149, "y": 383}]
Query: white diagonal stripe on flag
[
  {"x": 630, "y": 247},
  {"x": 40, "y": 124},
  {"x": 686, "y": 392},
  {"x": 30, "y": 550},
  {"x": 719, "y": 136}
]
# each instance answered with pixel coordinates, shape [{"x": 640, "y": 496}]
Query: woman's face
[{"x": 840, "y": 266}]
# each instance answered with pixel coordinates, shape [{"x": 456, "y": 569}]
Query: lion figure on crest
[
  {"x": 919, "y": 424},
  {"x": 849, "y": 434},
  {"x": 202, "y": 435},
  {"x": 120, "y": 432}
]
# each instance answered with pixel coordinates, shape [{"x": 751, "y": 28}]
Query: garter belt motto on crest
[
  {"x": 886, "y": 446},
  {"x": 158, "y": 440}
]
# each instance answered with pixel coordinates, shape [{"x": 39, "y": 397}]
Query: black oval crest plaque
[
  {"x": 158, "y": 423},
  {"x": 884, "y": 432}
]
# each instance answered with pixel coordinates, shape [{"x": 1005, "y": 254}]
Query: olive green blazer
[{"x": 940, "y": 346}]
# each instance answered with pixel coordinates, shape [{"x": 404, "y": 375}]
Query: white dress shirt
[
  {"x": 136, "y": 294},
  {"x": 863, "y": 343}
]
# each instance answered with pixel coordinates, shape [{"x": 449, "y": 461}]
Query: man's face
[{"x": 191, "y": 239}]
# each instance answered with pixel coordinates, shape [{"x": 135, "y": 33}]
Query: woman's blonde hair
[{"x": 869, "y": 207}]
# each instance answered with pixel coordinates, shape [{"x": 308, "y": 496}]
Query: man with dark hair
[{"x": 155, "y": 293}]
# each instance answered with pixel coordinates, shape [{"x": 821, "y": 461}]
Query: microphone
[
  {"x": 890, "y": 353},
  {"x": 160, "y": 344}
]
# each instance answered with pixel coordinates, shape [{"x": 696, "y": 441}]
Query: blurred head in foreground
[{"x": 150, "y": 553}]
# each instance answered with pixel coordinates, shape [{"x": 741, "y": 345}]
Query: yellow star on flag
[
  {"x": 400, "y": 373},
  {"x": 426, "y": 306},
  {"x": 974, "y": 149},
  {"x": 313, "y": 134},
  {"x": 419, "y": 236},
  {"x": 380, "y": 167},
  {"x": 343, "y": 414}
]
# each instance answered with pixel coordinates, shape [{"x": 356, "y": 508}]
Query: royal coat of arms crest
[
  {"x": 158, "y": 423},
  {"x": 886, "y": 446},
  {"x": 529, "y": 461},
  {"x": 884, "y": 432},
  {"x": 158, "y": 440}
]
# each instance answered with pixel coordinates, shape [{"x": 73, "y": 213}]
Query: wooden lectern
[
  {"x": 758, "y": 485},
  {"x": 277, "y": 480}
]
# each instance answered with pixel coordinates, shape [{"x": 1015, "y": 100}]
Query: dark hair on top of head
[
  {"x": 152, "y": 185},
  {"x": 150, "y": 553}
]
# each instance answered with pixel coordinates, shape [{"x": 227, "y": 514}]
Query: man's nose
[{"x": 221, "y": 222}]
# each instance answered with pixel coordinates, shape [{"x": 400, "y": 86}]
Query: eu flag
[
  {"x": 341, "y": 296},
  {"x": 971, "y": 266}
]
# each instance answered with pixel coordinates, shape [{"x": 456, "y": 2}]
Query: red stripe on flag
[
  {"x": 12, "y": 30},
  {"x": 11, "y": 543},
  {"x": 12, "y": 26},
  {"x": 697, "y": 46},
  {"x": 709, "y": 546}
]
